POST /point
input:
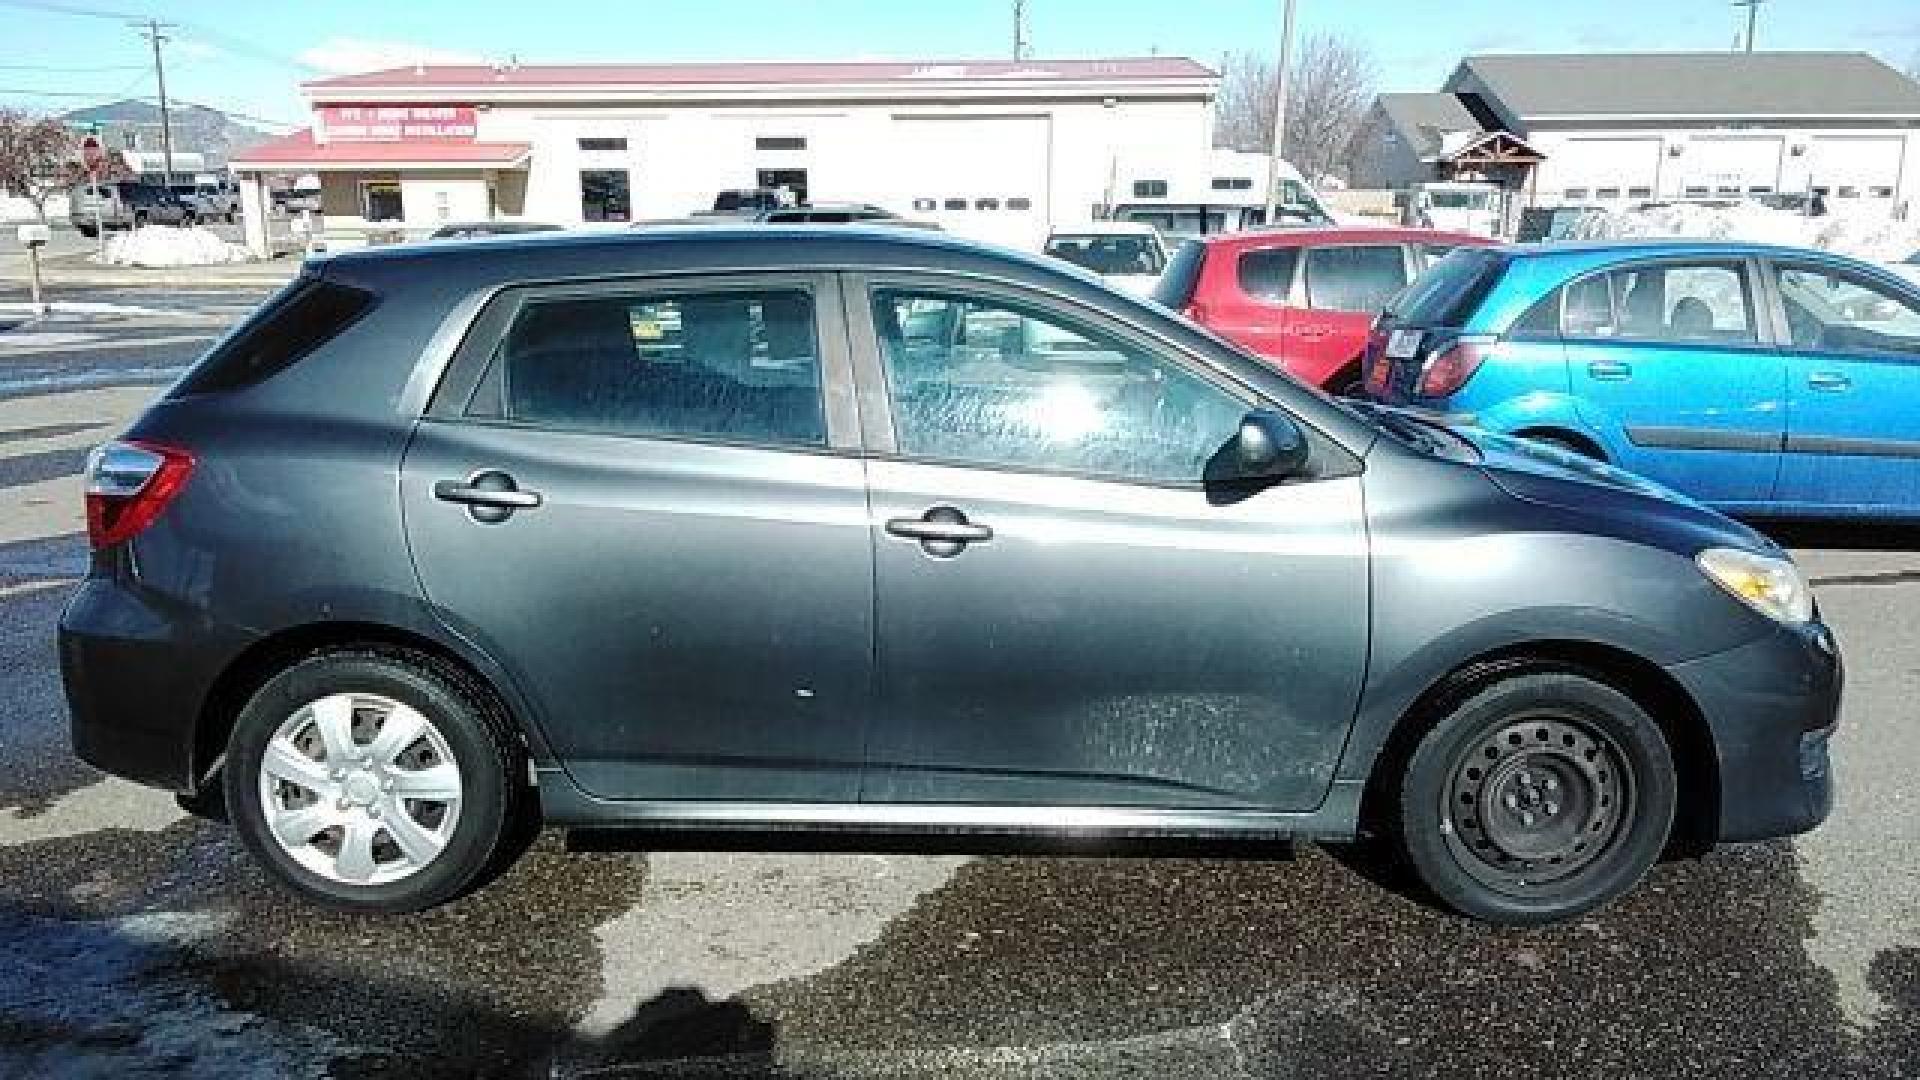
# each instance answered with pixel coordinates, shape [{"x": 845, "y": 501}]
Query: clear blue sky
[{"x": 251, "y": 56}]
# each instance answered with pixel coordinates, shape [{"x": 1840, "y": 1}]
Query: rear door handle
[
  {"x": 1829, "y": 381},
  {"x": 1610, "y": 370},
  {"x": 943, "y": 531},
  {"x": 489, "y": 495}
]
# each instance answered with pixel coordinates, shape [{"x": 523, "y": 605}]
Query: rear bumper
[
  {"x": 1771, "y": 705},
  {"x": 136, "y": 678}
]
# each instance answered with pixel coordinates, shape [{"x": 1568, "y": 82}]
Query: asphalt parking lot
[{"x": 135, "y": 941}]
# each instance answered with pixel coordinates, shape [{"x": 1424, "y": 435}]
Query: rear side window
[
  {"x": 1357, "y": 278},
  {"x": 1175, "y": 289},
  {"x": 306, "y": 315},
  {"x": 1268, "y": 273},
  {"x": 1452, "y": 289},
  {"x": 735, "y": 365}
]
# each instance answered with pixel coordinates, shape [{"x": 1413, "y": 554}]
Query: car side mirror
[{"x": 1268, "y": 447}]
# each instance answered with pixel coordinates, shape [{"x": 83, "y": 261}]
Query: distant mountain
[{"x": 196, "y": 128}]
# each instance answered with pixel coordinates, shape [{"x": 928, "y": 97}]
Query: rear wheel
[
  {"x": 1536, "y": 799},
  {"x": 370, "y": 781}
]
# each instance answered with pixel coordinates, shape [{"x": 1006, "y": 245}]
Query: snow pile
[
  {"x": 1875, "y": 237},
  {"x": 164, "y": 245}
]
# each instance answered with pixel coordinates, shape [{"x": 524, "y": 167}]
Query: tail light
[
  {"x": 1378, "y": 366},
  {"x": 128, "y": 484},
  {"x": 1452, "y": 364}
]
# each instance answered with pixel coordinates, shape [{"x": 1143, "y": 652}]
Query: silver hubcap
[{"x": 360, "y": 789}]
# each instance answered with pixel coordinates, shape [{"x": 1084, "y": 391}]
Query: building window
[
  {"x": 1760, "y": 189},
  {"x": 1606, "y": 193},
  {"x": 1880, "y": 192},
  {"x": 986, "y": 204},
  {"x": 380, "y": 200},
  {"x": 1149, "y": 189},
  {"x": 602, "y": 145},
  {"x": 1639, "y": 193},
  {"x": 1575, "y": 194},
  {"x": 1823, "y": 191},
  {"x": 925, "y": 205},
  {"x": 1233, "y": 183},
  {"x": 1019, "y": 204},
  {"x": 1729, "y": 189},
  {"x": 1848, "y": 191},
  {"x": 1696, "y": 191},
  {"x": 779, "y": 142},
  {"x": 604, "y": 195},
  {"x": 956, "y": 204}
]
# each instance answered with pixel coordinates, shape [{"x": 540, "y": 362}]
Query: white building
[
  {"x": 1000, "y": 151},
  {"x": 1614, "y": 129}
]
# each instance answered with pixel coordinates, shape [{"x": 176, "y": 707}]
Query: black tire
[
  {"x": 491, "y": 766},
  {"x": 87, "y": 231},
  {"x": 139, "y": 218},
  {"x": 1558, "y": 823},
  {"x": 188, "y": 220}
]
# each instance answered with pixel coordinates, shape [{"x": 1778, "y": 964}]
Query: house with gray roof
[{"x": 1621, "y": 128}]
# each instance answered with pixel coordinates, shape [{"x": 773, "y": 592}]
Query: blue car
[{"x": 1764, "y": 381}]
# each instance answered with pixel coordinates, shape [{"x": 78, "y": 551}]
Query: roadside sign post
[
  {"x": 93, "y": 157},
  {"x": 33, "y": 238}
]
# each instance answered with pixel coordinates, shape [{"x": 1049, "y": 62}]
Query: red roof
[
  {"x": 1153, "y": 67},
  {"x": 299, "y": 149}
]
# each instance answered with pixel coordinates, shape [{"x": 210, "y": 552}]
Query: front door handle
[
  {"x": 490, "y": 495},
  {"x": 1610, "y": 370},
  {"x": 942, "y": 531},
  {"x": 1831, "y": 382},
  {"x": 1313, "y": 332}
]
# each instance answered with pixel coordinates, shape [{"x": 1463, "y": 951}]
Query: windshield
[{"x": 1109, "y": 254}]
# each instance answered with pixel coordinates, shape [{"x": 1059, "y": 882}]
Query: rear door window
[
  {"x": 1356, "y": 277},
  {"x": 733, "y": 365},
  {"x": 1267, "y": 273},
  {"x": 1678, "y": 302}
]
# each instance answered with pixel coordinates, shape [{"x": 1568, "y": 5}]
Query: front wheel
[
  {"x": 1538, "y": 798},
  {"x": 370, "y": 781}
]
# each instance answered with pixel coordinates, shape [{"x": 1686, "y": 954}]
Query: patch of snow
[
  {"x": 165, "y": 245},
  {"x": 1862, "y": 235}
]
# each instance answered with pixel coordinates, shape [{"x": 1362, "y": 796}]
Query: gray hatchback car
[{"x": 772, "y": 529}]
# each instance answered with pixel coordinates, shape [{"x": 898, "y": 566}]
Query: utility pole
[
  {"x": 1019, "y": 30},
  {"x": 151, "y": 31},
  {"x": 1753, "y": 13},
  {"x": 1279, "y": 115}
]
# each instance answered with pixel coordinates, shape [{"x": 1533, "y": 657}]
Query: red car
[{"x": 1302, "y": 298}]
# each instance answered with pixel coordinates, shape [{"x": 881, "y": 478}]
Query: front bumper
[
  {"x": 1771, "y": 706},
  {"x": 136, "y": 678}
]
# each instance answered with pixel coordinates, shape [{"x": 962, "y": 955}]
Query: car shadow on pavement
[{"x": 1122, "y": 966}]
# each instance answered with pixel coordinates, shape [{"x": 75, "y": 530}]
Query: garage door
[
  {"x": 1725, "y": 167},
  {"x": 1606, "y": 171},
  {"x": 983, "y": 177},
  {"x": 1856, "y": 171}
]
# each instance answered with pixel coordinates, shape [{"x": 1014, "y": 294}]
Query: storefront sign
[{"x": 397, "y": 123}]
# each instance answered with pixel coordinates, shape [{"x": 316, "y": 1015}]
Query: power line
[
  {"x": 57, "y": 70},
  {"x": 51, "y": 8}
]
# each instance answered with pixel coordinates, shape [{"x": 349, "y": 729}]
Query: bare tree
[
  {"x": 39, "y": 156},
  {"x": 1331, "y": 89}
]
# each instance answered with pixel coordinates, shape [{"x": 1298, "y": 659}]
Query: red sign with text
[{"x": 397, "y": 123}]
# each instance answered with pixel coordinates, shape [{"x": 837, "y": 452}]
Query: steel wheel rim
[
  {"x": 1536, "y": 801},
  {"x": 360, "y": 789}
]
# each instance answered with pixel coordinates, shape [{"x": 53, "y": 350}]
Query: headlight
[{"x": 1773, "y": 587}]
